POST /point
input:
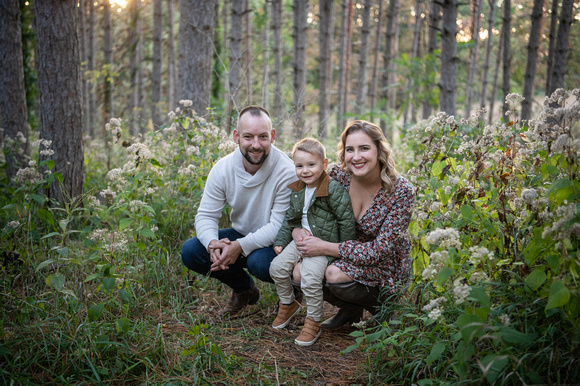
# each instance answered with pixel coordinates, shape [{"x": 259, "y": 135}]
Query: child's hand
[{"x": 278, "y": 249}]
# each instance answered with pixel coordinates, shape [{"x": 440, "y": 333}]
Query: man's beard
[{"x": 248, "y": 158}]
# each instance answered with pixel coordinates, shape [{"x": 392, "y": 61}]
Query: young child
[{"x": 322, "y": 206}]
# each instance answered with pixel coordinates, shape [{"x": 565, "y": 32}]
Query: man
[{"x": 253, "y": 180}]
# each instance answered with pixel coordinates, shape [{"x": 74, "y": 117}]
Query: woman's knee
[{"x": 333, "y": 274}]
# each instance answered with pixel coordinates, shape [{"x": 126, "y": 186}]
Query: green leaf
[
  {"x": 44, "y": 264},
  {"x": 125, "y": 222},
  {"x": 38, "y": 198},
  {"x": 559, "y": 295},
  {"x": 560, "y": 190},
  {"x": 146, "y": 232},
  {"x": 536, "y": 279},
  {"x": 479, "y": 294},
  {"x": 444, "y": 274},
  {"x": 492, "y": 365},
  {"x": 91, "y": 277},
  {"x": 513, "y": 336},
  {"x": 467, "y": 212},
  {"x": 435, "y": 353},
  {"x": 63, "y": 224},
  {"x": 109, "y": 284},
  {"x": 50, "y": 164},
  {"x": 63, "y": 251},
  {"x": 470, "y": 326},
  {"x": 438, "y": 167},
  {"x": 95, "y": 311},
  {"x": 154, "y": 162},
  {"x": 46, "y": 216},
  {"x": 51, "y": 234},
  {"x": 125, "y": 296},
  {"x": 123, "y": 325},
  {"x": 58, "y": 177},
  {"x": 55, "y": 281}
]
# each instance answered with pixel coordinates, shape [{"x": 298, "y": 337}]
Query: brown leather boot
[{"x": 239, "y": 301}]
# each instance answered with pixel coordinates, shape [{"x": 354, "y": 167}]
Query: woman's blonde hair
[{"x": 389, "y": 174}]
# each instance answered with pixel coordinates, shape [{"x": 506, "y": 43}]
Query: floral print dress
[{"x": 380, "y": 254}]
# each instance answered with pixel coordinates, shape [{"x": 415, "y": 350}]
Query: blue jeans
[{"x": 196, "y": 258}]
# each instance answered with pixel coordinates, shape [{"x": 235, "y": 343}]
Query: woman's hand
[
  {"x": 313, "y": 246},
  {"x": 299, "y": 234}
]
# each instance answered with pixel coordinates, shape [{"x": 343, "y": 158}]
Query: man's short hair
[
  {"x": 312, "y": 146},
  {"x": 254, "y": 110}
]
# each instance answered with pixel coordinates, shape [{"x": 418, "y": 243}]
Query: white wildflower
[{"x": 460, "y": 291}]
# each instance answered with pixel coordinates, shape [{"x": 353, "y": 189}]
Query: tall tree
[
  {"x": 108, "y": 59},
  {"x": 409, "y": 115},
  {"x": 157, "y": 62},
  {"x": 247, "y": 53},
  {"x": 92, "y": 98},
  {"x": 389, "y": 63},
  {"x": 490, "y": 24},
  {"x": 266, "y": 76},
  {"x": 235, "y": 56},
  {"x": 551, "y": 44},
  {"x": 135, "y": 66},
  {"x": 343, "y": 67},
  {"x": 82, "y": 10},
  {"x": 432, "y": 45},
  {"x": 171, "y": 70},
  {"x": 196, "y": 30},
  {"x": 498, "y": 61},
  {"x": 532, "y": 60},
  {"x": 561, "y": 51},
  {"x": 277, "y": 51},
  {"x": 507, "y": 58},
  {"x": 362, "y": 82},
  {"x": 13, "y": 111},
  {"x": 476, "y": 16},
  {"x": 299, "y": 64},
  {"x": 325, "y": 35},
  {"x": 376, "y": 51},
  {"x": 59, "y": 85},
  {"x": 448, "y": 57}
]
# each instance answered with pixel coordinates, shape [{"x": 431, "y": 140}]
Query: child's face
[{"x": 309, "y": 167}]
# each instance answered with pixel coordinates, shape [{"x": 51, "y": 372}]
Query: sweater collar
[
  {"x": 321, "y": 185},
  {"x": 270, "y": 163}
]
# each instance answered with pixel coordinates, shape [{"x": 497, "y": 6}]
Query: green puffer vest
[{"x": 330, "y": 214}]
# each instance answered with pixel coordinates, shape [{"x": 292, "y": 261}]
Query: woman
[{"x": 382, "y": 201}]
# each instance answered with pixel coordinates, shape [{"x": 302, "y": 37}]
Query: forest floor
[{"x": 270, "y": 356}]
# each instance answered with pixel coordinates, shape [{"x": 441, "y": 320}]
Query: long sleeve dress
[{"x": 380, "y": 254}]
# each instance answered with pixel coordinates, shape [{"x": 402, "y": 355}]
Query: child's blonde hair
[{"x": 310, "y": 145}]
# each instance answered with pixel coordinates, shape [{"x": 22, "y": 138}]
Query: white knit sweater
[{"x": 259, "y": 202}]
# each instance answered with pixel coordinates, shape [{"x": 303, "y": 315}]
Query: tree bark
[
  {"x": 561, "y": 51},
  {"x": 82, "y": 10},
  {"x": 107, "y": 112},
  {"x": 326, "y": 17},
  {"x": 506, "y": 60},
  {"x": 13, "y": 110},
  {"x": 134, "y": 66},
  {"x": 473, "y": 54},
  {"x": 551, "y": 45},
  {"x": 196, "y": 30},
  {"x": 532, "y": 59},
  {"x": 490, "y": 23},
  {"x": 235, "y": 55},
  {"x": 266, "y": 76},
  {"x": 277, "y": 51},
  {"x": 449, "y": 57},
  {"x": 375, "y": 74},
  {"x": 300, "y": 41},
  {"x": 362, "y": 81},
  {"x": 342, "y": 69},
  {"x": 409, "y": 115},
  {"x": 391, "y": 47},
  {"x": 247, "y": 54},
  {"x": 171, "y": 70},
  {"x": 496, "y": 74},
  {"x": 59, "y": 86},
  {"x": 92, "y": 100},
  {"x": 157, "y": 62},
  {"x": 432, "y": 46}
]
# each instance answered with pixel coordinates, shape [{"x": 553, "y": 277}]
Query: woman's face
[{"x": 361, "y": 155}]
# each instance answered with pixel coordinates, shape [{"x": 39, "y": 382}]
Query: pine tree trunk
[
  {"x": 266, "y": 76},
  {"x": 363, "y": 81},
  {"x": 473, "y": 54},
  {"x": 490, "y": 23},
  {"x": 300, "y": 41},
  {"x": 107, "y": 112},
  {"x": 375, "y": 74},
  {"x": 82, "y": 11},
  {"x": 561, "y": 51},
  {"x": 13, "y": 111},
  {"x": 277, "y": 51},
  {"x": 171, "y": 70},
  {"x": 59, "y": 87},
  {"x": 496, "y": 75},
  {"x": 196, "y": 30},
  {"x": 409, "y": 116},
  {"x": 340, "y": 120},
  {"x": 432, "y": 46},
  {"x": 134, "y": 64},
  {"x": 551, "y": 45},
  {"x": 92, "y": 100},
  {"x": 506, "y": 60},
  {"x": 388, "y": 63},
  {"x": 449, "y": 57},
  {"x": 326, "y": 9},
  {"x": 532, "y": 60},
  {"x": 157, "y": 62},
  {"x": 235, "y": 55},
  {"x": 247, "y": 54}
]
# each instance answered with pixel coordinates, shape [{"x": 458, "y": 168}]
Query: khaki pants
[{"x": 312, "y": 272}]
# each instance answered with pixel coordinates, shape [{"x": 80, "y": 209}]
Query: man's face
[{"x": 255, "y": 138}]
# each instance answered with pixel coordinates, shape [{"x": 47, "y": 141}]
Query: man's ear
[
  {"x": 236, "y": 136},
  {"x": 273, "y": 134}
]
